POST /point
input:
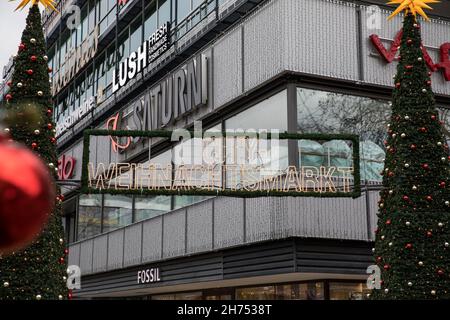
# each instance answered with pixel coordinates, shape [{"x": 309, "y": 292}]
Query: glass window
[
  {"x": 348, "y": 291},
  {"x": 163, "y": 11},
  {"x": 151, "y": 206},
  {"x": 183, "y": 9},
  {"x": 256, "y": 293},
  {"x": 329, "y": 112},
  {"x": 117, "y": 212},
  {"x": 300, "y": 291},
  {"x": 136, "y": 34},
  {"x": 150, "y": 23},
  {"x": 89, "y": 216}
]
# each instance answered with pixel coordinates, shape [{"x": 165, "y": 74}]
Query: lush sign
[{"x": 148, "y": 52}]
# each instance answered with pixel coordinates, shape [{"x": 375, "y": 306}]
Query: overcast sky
[{"x": 12, "y": 24}]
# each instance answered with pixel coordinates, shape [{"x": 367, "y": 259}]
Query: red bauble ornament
[
  {"x": 413, "y": 147},
  {"x": 409, "y": 41},
  {"x": 391, "y": 174},
  {"x": 428, "y": 83},
  {"x": 429, "y": 198},
  {"x": 34, "y": 145},
  {"x": 66, "y": 251},
  {"x": 49, "y": 112},
  {"x": 29, "y": 72},
  {"x": 388, "y": 222},
  {"x": 386, "y": 267},
  {"x": 379, "y": 259},
  {"x": 442, "y": 184},
  {"x": 26, "y": 196},
  {"x": 398, "y": 85},
  {"x": 408, "y": 246},
  {"x": 49, "y": 69},
  {"x": 33, "y": 58},
  {"x": 440, "y": 272},
  {"x": 8, "y": 97},
  {"x": 426, "y": 166},
  {"x": 61, "y": 260},
  {"x": 21, "y": 47},
  {"x": 433, "y": 117},
  {"x": 423, "y": 129},
  {"x": 60, "y": 198},
  {"x": 9, "y": 83},
  {"x": 408, "y": 67},
  {"x": 429, "y": 234},
  {"x": 49, "y": 126},
  {"x": 53, "y": 140},
  {"x": 70, "y": 295},
  {"x": 406, "y": 198}
]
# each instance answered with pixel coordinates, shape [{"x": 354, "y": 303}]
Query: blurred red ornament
[
  {"x": 440, "y": 272},
  {"x": 408, "y": 246},
  {"x": 398, "y": 85},
  {"x": 21, "y": 47},
  {"x": 29, "y": 72},
  {"x": 429, "y": 83},
  {"x": 408, "y": 67},
  {"x": 388, "y": 222},
  {"x": 386, "y": 267},
  {"x": 34, "y": 145},
  {"x": 429, "y": 234},
  {"x": 33, "y": 58},
  {"x": 61, "y": 260},
  {"x": 391, "y": 174},
  {"x": 429, "y": 198},
  {"x": 409, "y": 41},
  {"x": 8, "y": 97},
  {"x": 442, "y": 184},
  {"x": 26, "y": 196},
  {"x": 406, "y": 198},
  {"x": 379, "y": 259},
  {"x": 53, "y": 140},
  {"x": 49, "y": 126},
  {"x": 433, "y": 117},
  {"x": 70, "y": 295},
  {"x": 423, "y": 129},
  {"x": 413, "y": 147},
  {"x": 49, "y": 69},
  {"x": 66, "y": 251},
  {"x": 425, "y": 166},
  {"x": 49, "y": 112},
  {"x": 9, "y": 83}
]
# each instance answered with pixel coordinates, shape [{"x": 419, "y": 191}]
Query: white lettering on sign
[
  {"x": 67, "y": 122},
  {"x": 148, "y": 276}
]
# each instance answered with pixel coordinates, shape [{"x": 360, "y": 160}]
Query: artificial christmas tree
[
  {"x": 39, "y": 271},
  {"x": 413, "y": 234}
]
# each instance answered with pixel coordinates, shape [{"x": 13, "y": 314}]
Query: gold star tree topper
[
  {"x": 48, "y": 4},
  {"x": 413, "y": 6}
]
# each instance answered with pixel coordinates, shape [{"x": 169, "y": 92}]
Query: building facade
[{"x": 310, "y": 66}]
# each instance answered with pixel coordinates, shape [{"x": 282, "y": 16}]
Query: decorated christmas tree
[
  {"x": 39, "y": 270},
  {"x": 412, "y": 239}
]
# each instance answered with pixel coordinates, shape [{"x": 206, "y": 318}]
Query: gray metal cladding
[
  {"x": 227, "y": 68},
  {"x": 152, "y": 239},
  {"x": 100, "y": 255},
  {"x": 74, "y": 254},
  {"x": 320, "y": 37},
  {"x": 174, "y": 233},
  {"x": 228, "y": 222},
  {"x": 133, "y": 245},
  {"x": 199, "y": 227},
  {"x": 115, "y": 249},
  {"x": 86, "y": 251}
]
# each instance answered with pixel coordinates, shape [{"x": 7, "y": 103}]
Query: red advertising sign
[{"x": 66, "y": 167}]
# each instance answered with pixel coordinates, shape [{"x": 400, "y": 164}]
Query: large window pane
[
  {"x": 300, "y": 291},
  {"x": 183, "y": 9},
  {"x": 151, "y": 18},
  {"x": 163, "y": 11},
  {"x": 329, "y": 112},
  {"x": 348, "y": 291},
  {"x": 89, "y": 216},
  {"x": 256, "y": 293},
  {"x": 151, "y": 206},
  {"x": 117, "y": 212}
]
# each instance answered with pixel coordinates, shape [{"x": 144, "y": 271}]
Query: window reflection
[
  {"x": 329, "y": 112},
  {"x": 348, "y": 291},
  {"x": 89, "y": 216},
  {"x": 151, "y": 206},
  {"x": 117, "y": 212}
]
